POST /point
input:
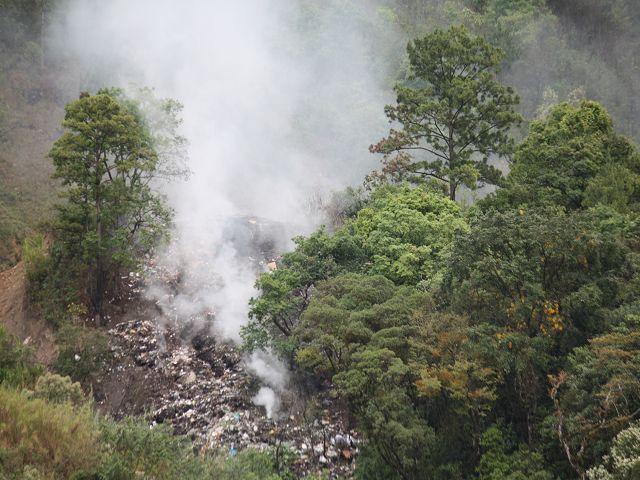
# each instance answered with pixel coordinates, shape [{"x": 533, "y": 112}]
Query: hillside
[
  {"x": 31, "y": 112},
  {"x": 21, "y": 319},
  {"x": 322, "y": 239}
]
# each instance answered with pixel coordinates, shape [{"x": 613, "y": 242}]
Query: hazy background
[
  {"x": 272, "y": 112},
  {"x": 282, "y": 98},
  {"x": 281, "y": 101}
]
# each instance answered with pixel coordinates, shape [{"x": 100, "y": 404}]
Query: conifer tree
[{"x": 453, "y": 114}]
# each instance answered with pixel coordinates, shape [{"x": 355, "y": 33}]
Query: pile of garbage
[
  {"x": 171, "y": 362},
  {"x": 183, "y": 376}
]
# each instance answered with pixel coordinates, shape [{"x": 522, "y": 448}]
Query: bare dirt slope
[{"x": 20, "y": 319}]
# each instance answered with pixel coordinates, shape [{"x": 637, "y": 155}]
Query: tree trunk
[
  {"x": 97, "y": 297},
  {"x": 452, "y": 156},
  {"x": 99, "y": 287},
  {"x": 97, "y": 294}
]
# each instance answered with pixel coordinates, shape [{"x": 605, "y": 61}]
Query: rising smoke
[{"x": 280, "y": 99}]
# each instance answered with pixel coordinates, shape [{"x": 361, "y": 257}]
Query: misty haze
[{"x": 319, "y": 239}]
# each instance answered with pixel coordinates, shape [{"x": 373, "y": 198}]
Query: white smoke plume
[
  {"x": 274, "y": 374},
  {"x": 269, "y": 399},
  {"x": 281, "y": 98}
]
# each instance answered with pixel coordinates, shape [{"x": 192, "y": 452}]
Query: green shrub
[
  {"x": 52, "y": 433},
  {"x": 58, "y": 389},
  {"x": 503, "y": 460},
  {"x": 250, "y": 464},
  {"x": 16, "y": 362},
  {"x": 371, "y": 467},
  {"x": 36, "y": 260},
  {"x": 134, "y": 450},
  {"x": 82, "y": 352},
  {"x": 44, "y": 440},
  {"x": 50, "y": 286}
]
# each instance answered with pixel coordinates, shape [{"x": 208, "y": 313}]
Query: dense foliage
[
  {"x": 498, "y": 344},
  {"x": 454, "y": 114},
  {"x": 16, "y": 361},
  {"x": 575, "y": 159},
  {"x": 403, "y": 233}
]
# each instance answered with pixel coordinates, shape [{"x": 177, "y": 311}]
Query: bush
[
  {"x": 52, "y": 433},
  {"x": 83, "y": 352},
  {"x": 44, "y": 440},
  {"x": 502, "y": 460},
  {"x": 250, "y": 464},
  {"x": 50, "y": 287},
  {"x": 57, "y": 389},
  {"x": 16, "y": 364},
  {"x": 36, "y": 261},
  {"x": 133, "y": 449}
]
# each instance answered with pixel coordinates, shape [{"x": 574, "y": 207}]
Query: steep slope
[
  {"x": 30, "y": 122},
  {"x": 20, "y": 319}
]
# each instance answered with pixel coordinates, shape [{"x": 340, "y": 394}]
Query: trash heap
[
  {"x": 200, "y": 386},
  {"x": 168, "y": 363}
]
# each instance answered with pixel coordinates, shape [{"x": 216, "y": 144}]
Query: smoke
[
  {"x": 268, "y": 399},
  {"x": 274, "y": 374},
  {"x": 277, "y": 104},
  {"x": 280, "y": 99}
]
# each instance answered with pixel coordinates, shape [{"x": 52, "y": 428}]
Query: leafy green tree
[
  {"x": 500, "y": 22},
  {"x": 574, "y": 158},
  {"x": 596, "y": 396},
  {"x": 379, "y": 387},
  {"x": 546, "y": 281},
  {"x": 108, "y": 160},
  {"x": 403, "y": 233},
  {"x": 545, "y": 273},
  {"x": 623, "y": 461},
  {"x": 459, "y": 369},
  {"x": 407, "y": 234},
  {"x": 500, "y": 461},
  {"x": 454, "y": 115},
  {"x": 349, "y": 312},
  {"x": 286, "y": 292},
  {"x": 417, "y": 17}
]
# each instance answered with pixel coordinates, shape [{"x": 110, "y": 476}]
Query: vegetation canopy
[
  {"x": 108, "y": 160},
  {"x": 453, "y": 112}
]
